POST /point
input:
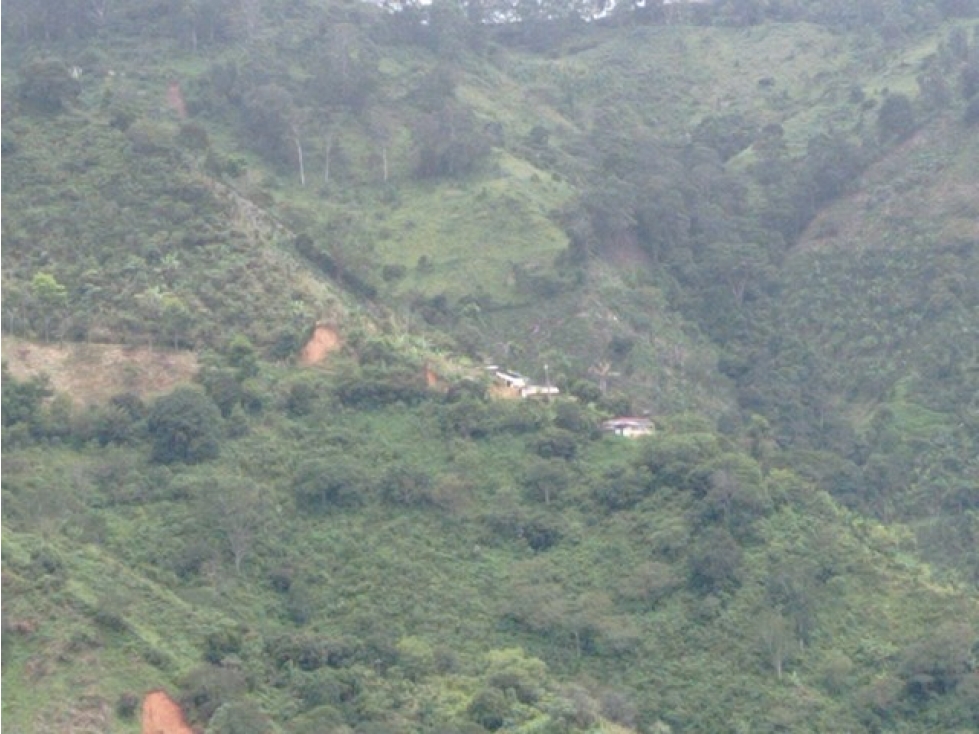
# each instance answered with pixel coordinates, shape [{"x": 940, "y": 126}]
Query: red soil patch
[
  {"x": 162, "y": 715},
  {"x": 93, "y": 373},
  {"x": 433, "y": 381},
  {"x": 324, "y": 341}
]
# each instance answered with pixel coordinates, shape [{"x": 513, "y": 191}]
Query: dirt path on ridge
[{"x": 162, "y": 715}]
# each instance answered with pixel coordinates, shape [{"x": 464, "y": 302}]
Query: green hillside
[{"x": 754, "y": 223}]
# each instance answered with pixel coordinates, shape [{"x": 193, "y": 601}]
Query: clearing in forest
[{"x": 93, "y": 373}]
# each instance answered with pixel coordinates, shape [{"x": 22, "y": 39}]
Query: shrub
[
  {"x": 311, "y": 652},
  {"x": 393, "y": 273},
  {"x": 47, "y": 85},
  {"x": 489, "y": 708},
  {"x": 545, "y": 479},
  {"x": 336, "y": 481},
  {"x": 240, "y": 717},
  {"x": 184, "y": 426},
  {"x": 556, "y": 443},
  {"x": 221, "y": 643},
  {"x": 324, "y": 687},
  {"x": 376, "y": 386},
  {"x": 895, "y": 119},
  {"x": 715, "y": 562},
  {"x": 126, "y": 705},
  {"x": 108, "y": 616},
  {"x": 937, "y": 662},
  {"x": 206, "y": 688}
]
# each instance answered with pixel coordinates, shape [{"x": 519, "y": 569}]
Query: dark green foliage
[
  {"x": 224, "y": 388},
  {"x": 22, "y": 399},
  {"x": 335, "y": 481},
  {"x": 300, "y": 398},
  {"x": 126, "y": 705},
  {"x": 299, "y": 603},
  {"x": 727, "y": 134},
  {"x": 242, "y": 357},
  {"x": 619, "y": 488},
  {"x": 679, "y": 461},
  {"x": 378, "y": 384},
  {"x": 406, "y": 484},
  {"x": 540, "y": 533},
  {"x": 108, "y": 614},
  {"x": 545, "y": 479},
  {"x": 467, "y": 417},
  {"x": 448, "y": 143},
  {"x": 309, "y": 652},
  {"x": 832, "y": 164},
  {"x": 113, "y": 424},
  {"x": 895, "y": 119},
  {"x": 320, "y": 719},
  {"x": 347, "y": 75},
  {"x": 556, "y": 443},
  {"x": 794, "y": 590},
  {"x": 571, "y": 417},
  {"x": 736, "y": 497},
  {"x": 207, "y": 688},
  {"x": 268, "y": 115},
  {"x": 938, "y": 662},
  {"x": 220, "y": 644},
  {"x": 715, "y": 562},
  {"x": 489, "y": 708},
  {"x": 240, "y": 717},
  {"x": 188, "y": 560},
  {"x": 47, "y": 85},
  {"x": 149, "y": 138},
  {"x": 326, "y": 687},
  {"x": 184, "y": 426}
]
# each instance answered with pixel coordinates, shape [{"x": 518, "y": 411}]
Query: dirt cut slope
[
  {"x": 324, "y": 341},
  {"x": 162, "y": 715}
]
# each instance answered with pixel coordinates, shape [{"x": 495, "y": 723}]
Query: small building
[
  {"x": 538, "y": 391},
  {"x": 508, "y": 379},
  {"x": 516, "y": 385},
  {"x": 628, "y": 427}
]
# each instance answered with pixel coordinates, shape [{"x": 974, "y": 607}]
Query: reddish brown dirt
[
  {"x": 433, "y": 380},
  {"x": 325, "y": 340},
  {"x": 162, "y": 715},
  {"x": 93, "y": 373}
]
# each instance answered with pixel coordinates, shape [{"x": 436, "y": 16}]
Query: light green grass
[{"x": 473, "y": 235}]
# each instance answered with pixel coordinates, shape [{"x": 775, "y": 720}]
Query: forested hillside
[{"x": 754, "y": 223}]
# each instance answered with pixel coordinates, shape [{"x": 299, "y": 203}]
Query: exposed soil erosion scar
[
  {"x": 323, "y": 342},
  {"x": 162, "y": 715}
]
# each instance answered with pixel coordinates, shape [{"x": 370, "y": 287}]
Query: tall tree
[
  {"x": 50, "y": 298},
  {"x": 184, "y": 426}
]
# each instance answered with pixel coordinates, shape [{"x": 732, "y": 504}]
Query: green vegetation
[
  {"x": 386, "y": 565},
  {"x": 755, "y": 222}
]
